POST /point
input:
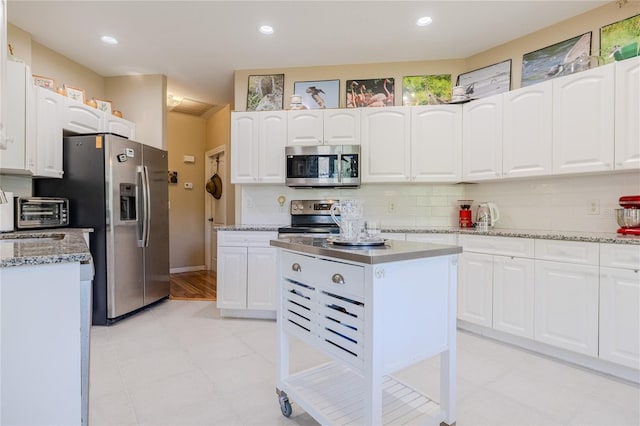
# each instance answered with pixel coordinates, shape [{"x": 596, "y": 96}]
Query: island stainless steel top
[{"x": 392, "y": 251}]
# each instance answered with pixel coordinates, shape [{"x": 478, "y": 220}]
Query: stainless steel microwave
[
  {"x": 323, "y": 166},
  {"x": 41, "y": 212}
]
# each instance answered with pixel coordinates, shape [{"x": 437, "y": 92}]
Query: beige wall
[
  {"x": 591, "y": 21},
  {"x": 219, "y": 134},
  {"x": 141, "y": 99},
  {"x": 186, "y": 135}
]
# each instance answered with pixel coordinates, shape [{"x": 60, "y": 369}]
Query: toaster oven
[{"x": 41, "y": 212}]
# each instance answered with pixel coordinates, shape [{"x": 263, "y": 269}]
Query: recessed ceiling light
[
  {"x": 266, "y": 29},
  {"x": 424, "y": 21},
  {"x": 109, "y": 39}
]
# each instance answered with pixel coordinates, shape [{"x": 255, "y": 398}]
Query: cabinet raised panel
[
  {"x": 232, "y": 277},
  {"x": 436, "y": 143},
  {"x": 620, "y": 316},
  {"x": 81, "y": 118},
  {"x": 627, "y": 111},
  {"x": 261, "y": 277},
  {"x": 325, "y": 126},
  {"x": 17, "y": 148},
  {"x": 513, "y": 288},
  {"x": 527, "y": 131},
  {"x": 482, "y": 139},
  {"x": 49, "y": 114},
  {"x": 386, "y": 144},
  {"x": 257, "y": 145},
  {"x": 583, "y": 125},
  {"x": 475, "y": 288},
  {"x": 566, "y": 306}
]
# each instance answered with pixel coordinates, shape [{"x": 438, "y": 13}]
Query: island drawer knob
[
  {"x": 296, "y": 267},
  {"x": 337, "y": 278}
]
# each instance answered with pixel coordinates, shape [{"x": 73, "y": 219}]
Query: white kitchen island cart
[{"x": 373, "y": 311}]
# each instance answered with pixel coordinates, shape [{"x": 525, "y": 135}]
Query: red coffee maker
[
  {"x": 465, "y": 220},
  {"x": 628, "y": 216}
]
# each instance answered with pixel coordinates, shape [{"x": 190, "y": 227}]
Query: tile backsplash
[{"x": 562, "y": 203}]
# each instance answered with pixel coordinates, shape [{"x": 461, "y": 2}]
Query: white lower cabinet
[
  {"x": 496, "y": 290},
  {"x": 247, "y": 275},
  {"x": 620, "y": 304},
  {"x": 566, "y": 295},
  {"x": 475, "y": 288},
  {"x": 513, "y": 281}
]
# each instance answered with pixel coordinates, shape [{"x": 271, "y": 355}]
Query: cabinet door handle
[
  {"x": 337, "y": 278},
  {"x": 296, "y": 267}
]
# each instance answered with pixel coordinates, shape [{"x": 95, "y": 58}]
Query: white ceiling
[{"x": 198, "y": 44}]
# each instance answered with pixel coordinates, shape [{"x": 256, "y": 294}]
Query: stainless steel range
[{"x": 310, "y": 217}]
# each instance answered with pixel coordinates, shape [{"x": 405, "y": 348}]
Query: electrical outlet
[
  {"x": 593, "y": 207},
  {"x": 391, "y": 207}
]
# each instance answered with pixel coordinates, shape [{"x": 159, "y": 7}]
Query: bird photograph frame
[
  {"x": 374, "y": 92},
  {"x": 486, "y": 81},
  {"x": 319, "y": 94},
  {"x": 563, "y": 58},
  {"x": 265, "y": 92},
  {"x": 620, "y": 40},
  {"x": 426, "y": 89}
]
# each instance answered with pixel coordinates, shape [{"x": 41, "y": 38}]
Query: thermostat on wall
[{"x": 189, "y": 159}]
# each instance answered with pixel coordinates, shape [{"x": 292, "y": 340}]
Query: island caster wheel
[{"x": 285, "y": 406}]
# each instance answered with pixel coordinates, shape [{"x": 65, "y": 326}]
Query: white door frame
[{"x": 208, "y": 200}]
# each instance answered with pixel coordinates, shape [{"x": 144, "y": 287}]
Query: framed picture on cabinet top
[
  {"x": 620, "y": 40},
  {"x": 318, "y": 94},
  {"x": 559, "y": 59},
  {"x": 375, "y": 92},
  {"x": 104, "y": 106},
  {"x": 42, "y": 81},
  {"x": 487, "y": 81},
  {"x": 264, "y": 92},
  {"x": 426, "y": 89},
  {"x": 75, "y": 93}
]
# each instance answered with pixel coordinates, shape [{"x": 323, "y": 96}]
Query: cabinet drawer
[
  {"x": 505, "y": 246},
  {"x": 450, "y": 239},
  {"x": 620, "y": 256},
  {"x": 567, "y": 251},
  {"x": 246, "y": 238},
  {"x": 334, "y": 277}
]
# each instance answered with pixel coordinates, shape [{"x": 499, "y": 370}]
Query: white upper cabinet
[
  {"x": 17, "y": 147},
  {"x": 527, "y": 131},
  {"x": 583, "y": 119},
  {"x": 386, "y": 144},
  {"x": 323, "y": 126},
  {"x": 257, "y": 145},
  {"x": 436, "y": 143},
  {"x": 305, "y": 127},
  {"x": 119, "y": 126},
  {"x": 627, "y": 111},
  {"x": 482, "y": 139},
  {"x": 81, "y": 118},
  {"x": 50, "y": 109}
]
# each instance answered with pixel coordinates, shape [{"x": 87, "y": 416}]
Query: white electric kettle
[{"x": 488, "y": 214}]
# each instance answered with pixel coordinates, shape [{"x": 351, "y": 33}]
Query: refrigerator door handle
[{"x": 146, "y": 213}]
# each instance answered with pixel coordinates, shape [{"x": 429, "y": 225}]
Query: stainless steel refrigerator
[{"x": 119, "y": 188}]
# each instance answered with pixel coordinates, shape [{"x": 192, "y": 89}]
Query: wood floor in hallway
[{"x": 197, "y": 285}]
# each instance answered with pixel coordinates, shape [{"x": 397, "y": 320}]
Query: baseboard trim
[{"x": 187, "y": 269}]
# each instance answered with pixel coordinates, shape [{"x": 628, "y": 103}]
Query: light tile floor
[{"x": 179, "y": 363}]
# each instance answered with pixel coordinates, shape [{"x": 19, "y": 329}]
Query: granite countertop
[
  {"x": 592, "y": 237},
  {"x": 38, "y": 247},
  {"x": 391, "y": 251}
]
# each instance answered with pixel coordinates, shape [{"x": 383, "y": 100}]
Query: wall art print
[
  {"x": 375, "y": 92},
  {"x": 426, "y": 89},
  {"x": 620, "y": 40},
  {"x": 264, "y": 92},
  {"x": 318, "y": 94},
  {"x": 487, "y": 81},
  {"x": 559, "y": 59}
]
